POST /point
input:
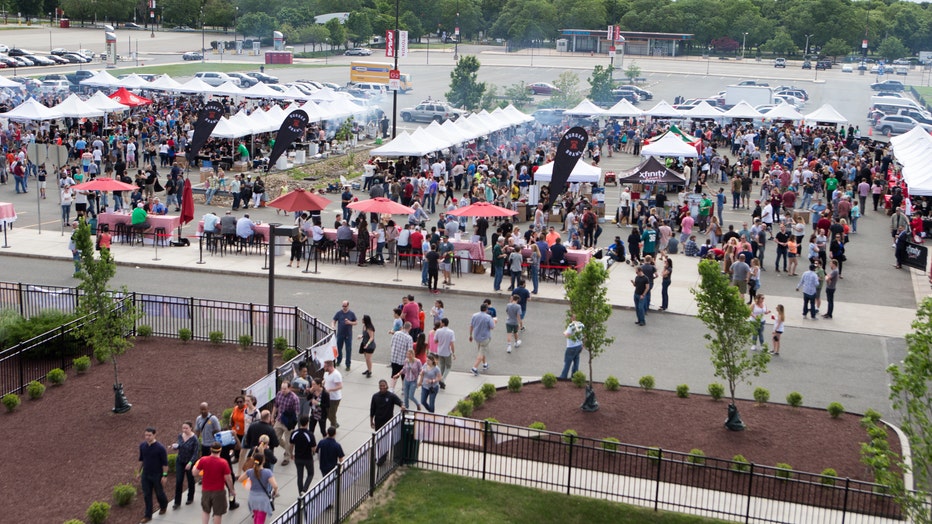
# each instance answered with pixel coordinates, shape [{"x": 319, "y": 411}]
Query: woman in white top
[
  {"x": 67, "y": 198},
  {"x": 758, "y": 310},
  {"x": 778, "y": 320}
]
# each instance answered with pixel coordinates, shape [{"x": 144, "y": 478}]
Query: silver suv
[
  {"x": 430, "y": 110},
  {"x": 216, "y": 78},
  {"x": 897, "y": 124}
]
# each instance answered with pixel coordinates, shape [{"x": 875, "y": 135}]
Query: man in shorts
[
  {"x": 446, "y": 251},
  {"x": 740, "y": 275},
  {"x": 513, "y": 322},
  {"x": 216, "y": 480},
  {"x": 480, "y": 330}
]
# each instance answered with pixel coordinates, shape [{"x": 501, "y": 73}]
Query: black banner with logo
[
  {"x": 207, "y": 120},
  {"x": 917, "y": 256},
  {"x": 571, "y": 148},
  {"x": 292, "y": 128}
]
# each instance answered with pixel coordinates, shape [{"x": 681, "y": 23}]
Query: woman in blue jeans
[
  {"x": 574, "y": 344},
  {"x": 430, "y": 383},
  {"x": 410, "y": 372}
]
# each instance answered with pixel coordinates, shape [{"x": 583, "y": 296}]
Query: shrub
[
  {"x": 280, "y": 344},
  {"x": 579, "y": 379},
  {"x": 540, "y": 426},
  {"x": 74, "y": 521},
  {"x": 827, "y": 476},
  {"x": 761, "y": 395},
  {"x": 225, "y": 417},
  {"x": 741, "y": 464},
  {"x": 289, "y": 354},
  {"x": 835, "y": 409},
  {"x": 646, "y": 382},
  {"x": 549, "y": 380},
  {"x": 245, "y": 341},
  {"x": 455, "y": 413},
  {"x": 81, "y": 364},
  {"x": 35, "y": 390},
  {"x": 22, "y": 329},
  {"x": 610, "y": 443},
  {"x": 696, "y": 457},
  {"x": 794, "y": 399},
  {"x": 488, "y": 390},
  {"x": 57, "y": 376},
  {"x": 477, "y": 398},
  {"x": 465, "y": 407},
  {"x": 491, "y": 420},
  {"x": 172, "y": 458},
  {"x": 185, "y": 334},
  {"x": 514, "y": 384},
  {"x": 784, "y": 471},
  {"x": 100, "y": 355},
  {"x": 682, "y": 391},
  {"x": 144, "y": 331},
  {"x": 97, "y": 512},
  {"x": 123, "y": 494},
  {"x": 653, "y": 453},
  {"x": 215, "y": 337},
  {"x": 871, "y": 415},
  {"x": 612, "y": 383},
  {"x": 716, "y": 391},
  {"x": 570, "y": 436},
  {"x": 11, "y": 401}
]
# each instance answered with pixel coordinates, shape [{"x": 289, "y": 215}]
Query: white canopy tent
[
  {"x": 670, "y": 145},
  {"x": 455, "y": 131},
  {"x": 445, "y": 134},
  {"x": 31, "y": 111},
  {"x": 744, "y": 111},
  {"x": 262, "y": 122},
  {"x": 827, "y": 114},
  {"x": 164, "y": 83},
  {"x": 6, "y": 82},
  {"x": 582, "y": 172},
  {"x": 913, "y": 150},
  {"x": 402, "y": 145},
  {"x": 74, "y": 107},
  {"x": 260, "y": 90},
  {"x": 134, "y": 81},
  {"x": 585, "y": 108},
  {"x": 663, "y": 110},
  {"x": 228, "y": 88},
  {"x": 624, "y": 109},
  {"x": 517, "y": 115},
  {"x": 196, "y": 86},
  {"x": 101, "y": 79},
  {"x": 435, "y": 142},
  {"x": 704, "y": 110},
  {"x": 227, "y": 129},
  {"x": 105, "y": 103},
  {"x": 784, "y": 111}
]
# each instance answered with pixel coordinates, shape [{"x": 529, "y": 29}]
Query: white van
[{"x": 894, "y": 101}]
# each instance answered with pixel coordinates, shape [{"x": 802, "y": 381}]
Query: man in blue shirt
[
  {"x": 809, "y": 282},
  {"x": 154, "y": 471},
  {"x": 480, "y": 330},
  {"x": 329, "y": 451},
  {"x": 343, "y": 322}
]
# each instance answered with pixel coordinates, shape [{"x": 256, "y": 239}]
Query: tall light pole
[
  {"x": 806, "y": 52},
  {"x": 743, "y": 41},
  {"x": 456, "y": 35},
  {"x": 395, "y": 54},
  {"x": 203, "y": 51}
]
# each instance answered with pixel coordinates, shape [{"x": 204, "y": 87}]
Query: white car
[
  {"x": 792, "y": 100},
  {"x": 847, "y": 68},
  {"x": 216, "y": 78},
  {"x": 4, "y": 48}
]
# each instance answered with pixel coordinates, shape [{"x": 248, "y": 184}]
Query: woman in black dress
[
  {"x": 367, "y": 344},
  {"x": 634, "y": 246}
]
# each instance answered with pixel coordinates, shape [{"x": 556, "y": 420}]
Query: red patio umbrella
[
  {"x": 380, "y": 205},
  {"x": 300, "y": 200},
  {"x": 104, "y": 184},
  {"x": 482, "y": 209},
  {"x": 127, "y": 98}
]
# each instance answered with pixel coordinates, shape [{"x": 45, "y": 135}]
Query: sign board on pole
[
  {"x": 916, "y": 256},
  {"x": 389, "y": 43},
  {"x": 402, "y": 43},
  {"x": 57, "y": 156},
  {"x": 394, "y": 80},
  {"x": 617, "y": 36},
  {"x": 610, "y": 32}
]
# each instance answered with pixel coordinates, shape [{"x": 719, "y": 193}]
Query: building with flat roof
[{"x": 635, "y": 42}]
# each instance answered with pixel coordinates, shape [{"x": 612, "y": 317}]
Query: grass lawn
[
  {"x": 428, "y": 497},
  {"x": 212, "y": 64},
  {"x": 925, "y": 91}
]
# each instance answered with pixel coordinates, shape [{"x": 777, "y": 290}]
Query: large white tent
[
  {"x": 31, "y": 111},
  {"x": 826, "y": 114},
  {"x": 260, "y": 90},
  {"x": 74, "y": 107},
  {"x": 518, "y": 116},
  {"x": 585, "y": 108},
  {"x": 196, "y": 86},
  {"x": 164, "y": 83},
  {"x": 743, "y": 111},
  {"x": 103, "y": 102},
  {"x": 703, "y": 110},
  {"x": 6, "y": 82},
  {"x": 227, "y": 129},
  {"x": 624, "y": 109},
  {"x": 913, "y": 150},
  {"x": 134, "y": 81},
  {"x": 402, "y": 145},
  {"x": 784, "y": 112},
  {"x": 582, "y": 172},
  {"x": 663, "y": 110},
  {"x": 228, "y": 88},
  {"x": 101, "y": 79},
  {"x": 670, "y": 145},
  {"x": 434, "y": 142}
]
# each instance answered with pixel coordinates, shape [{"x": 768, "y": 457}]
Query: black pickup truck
[{"x": 77, "y": 76}]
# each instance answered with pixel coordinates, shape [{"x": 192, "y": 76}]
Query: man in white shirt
[
  {"x": 211, "y": 221},
  {"x": 333, "y": 383}
]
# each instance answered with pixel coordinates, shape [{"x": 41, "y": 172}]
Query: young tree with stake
[{"x": 586, "y": 293}]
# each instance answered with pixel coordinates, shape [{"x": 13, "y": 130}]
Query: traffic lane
[{"x": 823, "y": 366}]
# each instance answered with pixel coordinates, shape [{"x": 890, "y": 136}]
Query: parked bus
[{"x": 377, "y": 73}]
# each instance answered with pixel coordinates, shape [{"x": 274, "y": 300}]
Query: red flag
[{"x": 187, "y": 202}]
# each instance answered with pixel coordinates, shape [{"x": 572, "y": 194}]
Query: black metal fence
[
  {"x": 167, "y": 315},
  {"x": 342, "y": 490},
  {"x": 650, "y": 477}
]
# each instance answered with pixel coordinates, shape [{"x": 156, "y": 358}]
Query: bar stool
[
  {"x": 120, "y": 230},
  {"x": 160, "y": 236}
]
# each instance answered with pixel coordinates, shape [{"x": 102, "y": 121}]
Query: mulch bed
[
  {"x": 807, "y": 439},
  {"x": 68, "y": 449}
]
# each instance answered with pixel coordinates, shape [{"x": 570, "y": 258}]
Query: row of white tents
[
  {"x": 704, "y": 110},
  {"x": 436, "y": 136},
  {"x": 913, "y": 150}
]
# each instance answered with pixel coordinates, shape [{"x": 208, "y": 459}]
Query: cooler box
[
  {"x": 240, "y": 167},
  {"x": 225, "y": 438}
]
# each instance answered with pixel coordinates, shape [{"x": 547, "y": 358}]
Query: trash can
[
  {"x": 64, "y": 23},
  {"x": 409, "y": 444}
]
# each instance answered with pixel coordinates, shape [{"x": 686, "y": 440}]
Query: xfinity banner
[
  {"x": 206, "y": 122},
  {"x": 571, "y": 148},
  {"x": 916, "y": 256},
  {"x": 292, "y": 128}
]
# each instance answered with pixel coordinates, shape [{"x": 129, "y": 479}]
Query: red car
[{"x": 542, "y": 88}]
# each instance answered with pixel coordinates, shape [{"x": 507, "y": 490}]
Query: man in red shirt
[
  {"x": 411, "y": 312},
  {"x": 755, "y": 168},
  {"x": 216, "y": 476}
]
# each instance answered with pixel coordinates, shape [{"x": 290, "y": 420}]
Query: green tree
[
  {"x": 180, "y": 12},
  {"x": 337, "y": 37},
  {"x": 911, "y": 395},
  {"x": 412, "y": 24},
  {"x": 465, "y": 89},
  {"x": 218, "y": 13},
  {"x": 317, "y": 34},
  {"x": 518, "y": 95},
  {"x": 569, "y": 93},
  {"x": 836, "y": 47},
  {"x": 293, "y": 17},
  {"x": 523, "y": 21},
  {"x": 111, "y": 317},
  {"x": 588, "y": 298},
  {"x": 633, "y": 71},
  {"x": 491, "y": 98},
  {"x": 358, "y": 27},
  {"x": 725, "y": 315},
  {"x": 256, "y": 24},
  {"x": 600, "y": 86},
  {"x": 781, "y": 44},
  {"x": 892, "y": 48}
]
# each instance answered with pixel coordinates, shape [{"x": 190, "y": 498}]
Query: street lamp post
[
  {"x": 395, "y": 54},
  {"x": 806, "y": 52},
  {"x": 456, "y": 34},
  {"x": 743, "y": 42},
  {"x": 203, "y": 49}
]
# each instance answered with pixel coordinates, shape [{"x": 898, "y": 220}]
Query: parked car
[
  {"x": 793, "y": 91},
  {"x": 358, "y": 51},
  {"x": 8, "y": 62},
  {"x": 643, "y": 94},
  {"x": 542, "y": 88},
  {"x": 131, "y": 25},
  {"x": 77, "y": 58},
  {"x": 192, "y": 55},
  {"x": 263, "y": 77},
  {"x": 847, "y": 68},
  {"x": 51, "y": 87},
  {"x": 823, "y": 64},
  {"x": 15, "y": 51},
  {"x": 548, "y": 117},
  {"x": 897, "y": 124},
  {"x": 79, "y": 75},
  {"x": 25, "y": 61},
  {"x": 182, "y": 28},
  {"x": 431, "y": 110},
  {"x": 4, "y": 48},
  {"x": 901, "y": 70},
  {"x": 30, "y": 84},
  {"x": 807, "y": 64},
  {"x": 620, "y": 93},
  {"x": 215, "y": 78},
  {"x": 780, "y": 62},
  {"x": 57, "y": 59},
  {"x": 888, "y": 85},
  {"x": 244, "y": 80},
  {"x": 862, "y": 66},
  {"x": 753, "y": 83},
  {"x": 41, "y": 60}
]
